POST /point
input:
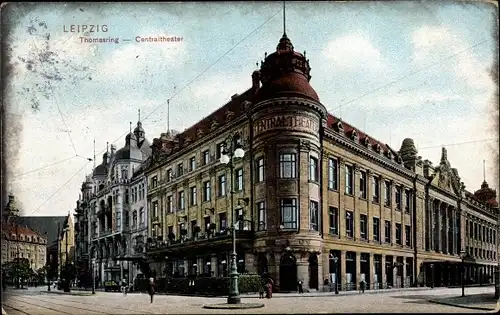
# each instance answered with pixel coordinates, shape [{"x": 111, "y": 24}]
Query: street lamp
[
  {"x": 335, "y": 260},
  {"x": 232, "y": 150},
  {"x": 432, "y": 276},
  {"x": 463, "y": 255},
  {"x": 93, "y": 275}
]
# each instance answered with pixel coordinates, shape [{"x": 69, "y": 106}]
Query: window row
[
  {"x": 403, "y": 196},
  {"x": 206, "y": 193},
  {"x": 481, "y": 253},
  {"x": 334, "y": 220},
  {"x": 480, "y": 232}
]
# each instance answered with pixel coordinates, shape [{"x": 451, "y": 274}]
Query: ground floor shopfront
[{"x": 450, "y": 273}]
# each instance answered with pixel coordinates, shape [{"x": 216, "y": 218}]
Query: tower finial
[
  {"x": 484, "y": 170},
  {"x": 168, "y": 116},
  {"x": 107, "y": 146},
  {"x": 284, "y": 18},
  {"x": 94, "y": 152},
  {"x": 139, "y": 110},
  {"x": 130, "y": 126}
]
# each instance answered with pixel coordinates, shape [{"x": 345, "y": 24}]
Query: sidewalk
[
  {"x": 283, "y": 295},
  {"x": 484, "y": 301}
]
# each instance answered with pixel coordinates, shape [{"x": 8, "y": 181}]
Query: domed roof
[
  {"x": 285, "y": 73},
  {"x": 138, "y": 128},
  {"x": 130, "y": 150},
  {"x": 485, "y": 193},
  {"x": 102, "y": 168}
]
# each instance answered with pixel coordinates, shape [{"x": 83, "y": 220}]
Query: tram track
[{"x": 90, "y": 310}]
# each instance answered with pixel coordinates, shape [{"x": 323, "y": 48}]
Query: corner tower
[{"x": 287, "y": 124}]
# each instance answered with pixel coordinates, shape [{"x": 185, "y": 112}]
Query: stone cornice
[
  {"x": 378, "y": 158},
  {"x": 286, "y": 101}
]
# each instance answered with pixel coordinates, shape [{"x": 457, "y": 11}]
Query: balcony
[{"x": 244, "y": 232}]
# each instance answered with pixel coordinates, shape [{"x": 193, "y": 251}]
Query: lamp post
[
  {"x": 231, "y": 150},
  {"x": 93, "y": 275},
  {"x": 335, "y": 260},
  {"x": 432, "y": 276},
  {"x": 463, "y": 254},
  {"x": 66, "y": 264}
]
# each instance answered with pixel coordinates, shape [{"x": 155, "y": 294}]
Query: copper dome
[{"x": 285, "y": 73}]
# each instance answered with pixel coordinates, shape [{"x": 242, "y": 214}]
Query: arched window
[
  {"x": 134, "y": 218},
  {"x": 141, "y": 216}
]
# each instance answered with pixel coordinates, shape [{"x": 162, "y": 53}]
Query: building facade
[
  {"x": 314, "y": 198},
  {"x": 109, "y": 199},
  {"x": 66, "y": 244},
  {"x": 21, "y": 242}
]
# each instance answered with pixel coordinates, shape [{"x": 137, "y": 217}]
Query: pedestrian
[
  {"x": 151, "y": 288},
  {"x": 299, "y": 284},
  {"x": 124, "y": 287},
  {"x": 262, "y": 288},
  {"x": 269, "y": 286},
  {"x": 362, "y": 286}
]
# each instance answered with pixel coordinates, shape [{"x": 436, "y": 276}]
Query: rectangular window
[
  {"x": 259, "y": 172},
  {"x": 170, "y": 230},
  {"x": 398, "y": 198},
  {"x": 375, "y": 189},
  {"x": 118, "y": 221},
  {"x": 388, "y": 193},
  {"x": 169, "y": 175},
  {"x": 193, "y": 227},
  {"x": 362, "y": 184},
  {"x": 220, "y": 150},
  {"x": 154, "y": 182},
  {"x": 334, "y": 220},
  {"x": 206, "y": 157},
  {"x": 376, "y": 229},
  {"x": 333, "y": 174},
  {"x": 223, "y": 221},
  {"x": 407, "y": 200},
  {"x": 170, "y": 204},
  {"x": 181, "y": 200},
  {"x": 388, "y": 229},
  {"x": 313, "y": 216},
  {"x": 363, "y": 226},
  {"x": 349, "y": 224},
  {"x": 192, "y": 164},
  {"x": 289, "y": 213},
  {"x": 206, "y": 191},
  {"x": 222, "y": 185},
  {"x": 408, "y": 235},
  {"x": 261, "y": 212},
  {"x": 399, "y": 240},
  {"x": 155, "y": 209},
  {"x": 349, "y": 187},
  {"x": 239, "y": 179},
  {"x": 287, "y": 165},
  {"x": 313, "y": 169},
  {"x": 193, "y": 196},
  {"x": 180, "y": 169}
]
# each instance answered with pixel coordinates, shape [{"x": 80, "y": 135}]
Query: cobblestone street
[{"x": 411, "y": 301}]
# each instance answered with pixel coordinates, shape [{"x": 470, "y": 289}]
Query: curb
[
  {"x": 463, "y": 306},
  {"x": 68, "y": 293},
  {"x": 240, "y": 306}
]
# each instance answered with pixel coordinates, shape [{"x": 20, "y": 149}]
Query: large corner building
[{"x": 315, "y": 198}]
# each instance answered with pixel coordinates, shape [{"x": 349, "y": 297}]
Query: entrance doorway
[
  {"x": 288, "y": 273},
  {"x": 313, "y": 271},
  {"x": 262, "y": 262}
]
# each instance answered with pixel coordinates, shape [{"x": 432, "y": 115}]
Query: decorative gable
[
  {"x": 446, "y": 177},
  {"x": 214, "y": 125},
  {"x": 199, "y": 133},
  {"x": 228, "y": 115}
]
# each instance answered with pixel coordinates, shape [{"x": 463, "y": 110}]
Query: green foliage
[
  {"x": 18, "y": 268},
  {"x": 207, "y": 286}
]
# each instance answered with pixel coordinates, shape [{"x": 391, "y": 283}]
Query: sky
[{"x": 395, "y": 70}]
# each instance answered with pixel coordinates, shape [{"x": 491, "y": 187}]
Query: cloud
[
  {"x": 353, "y": 51},
  {"x": 437, "y": 43}
]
